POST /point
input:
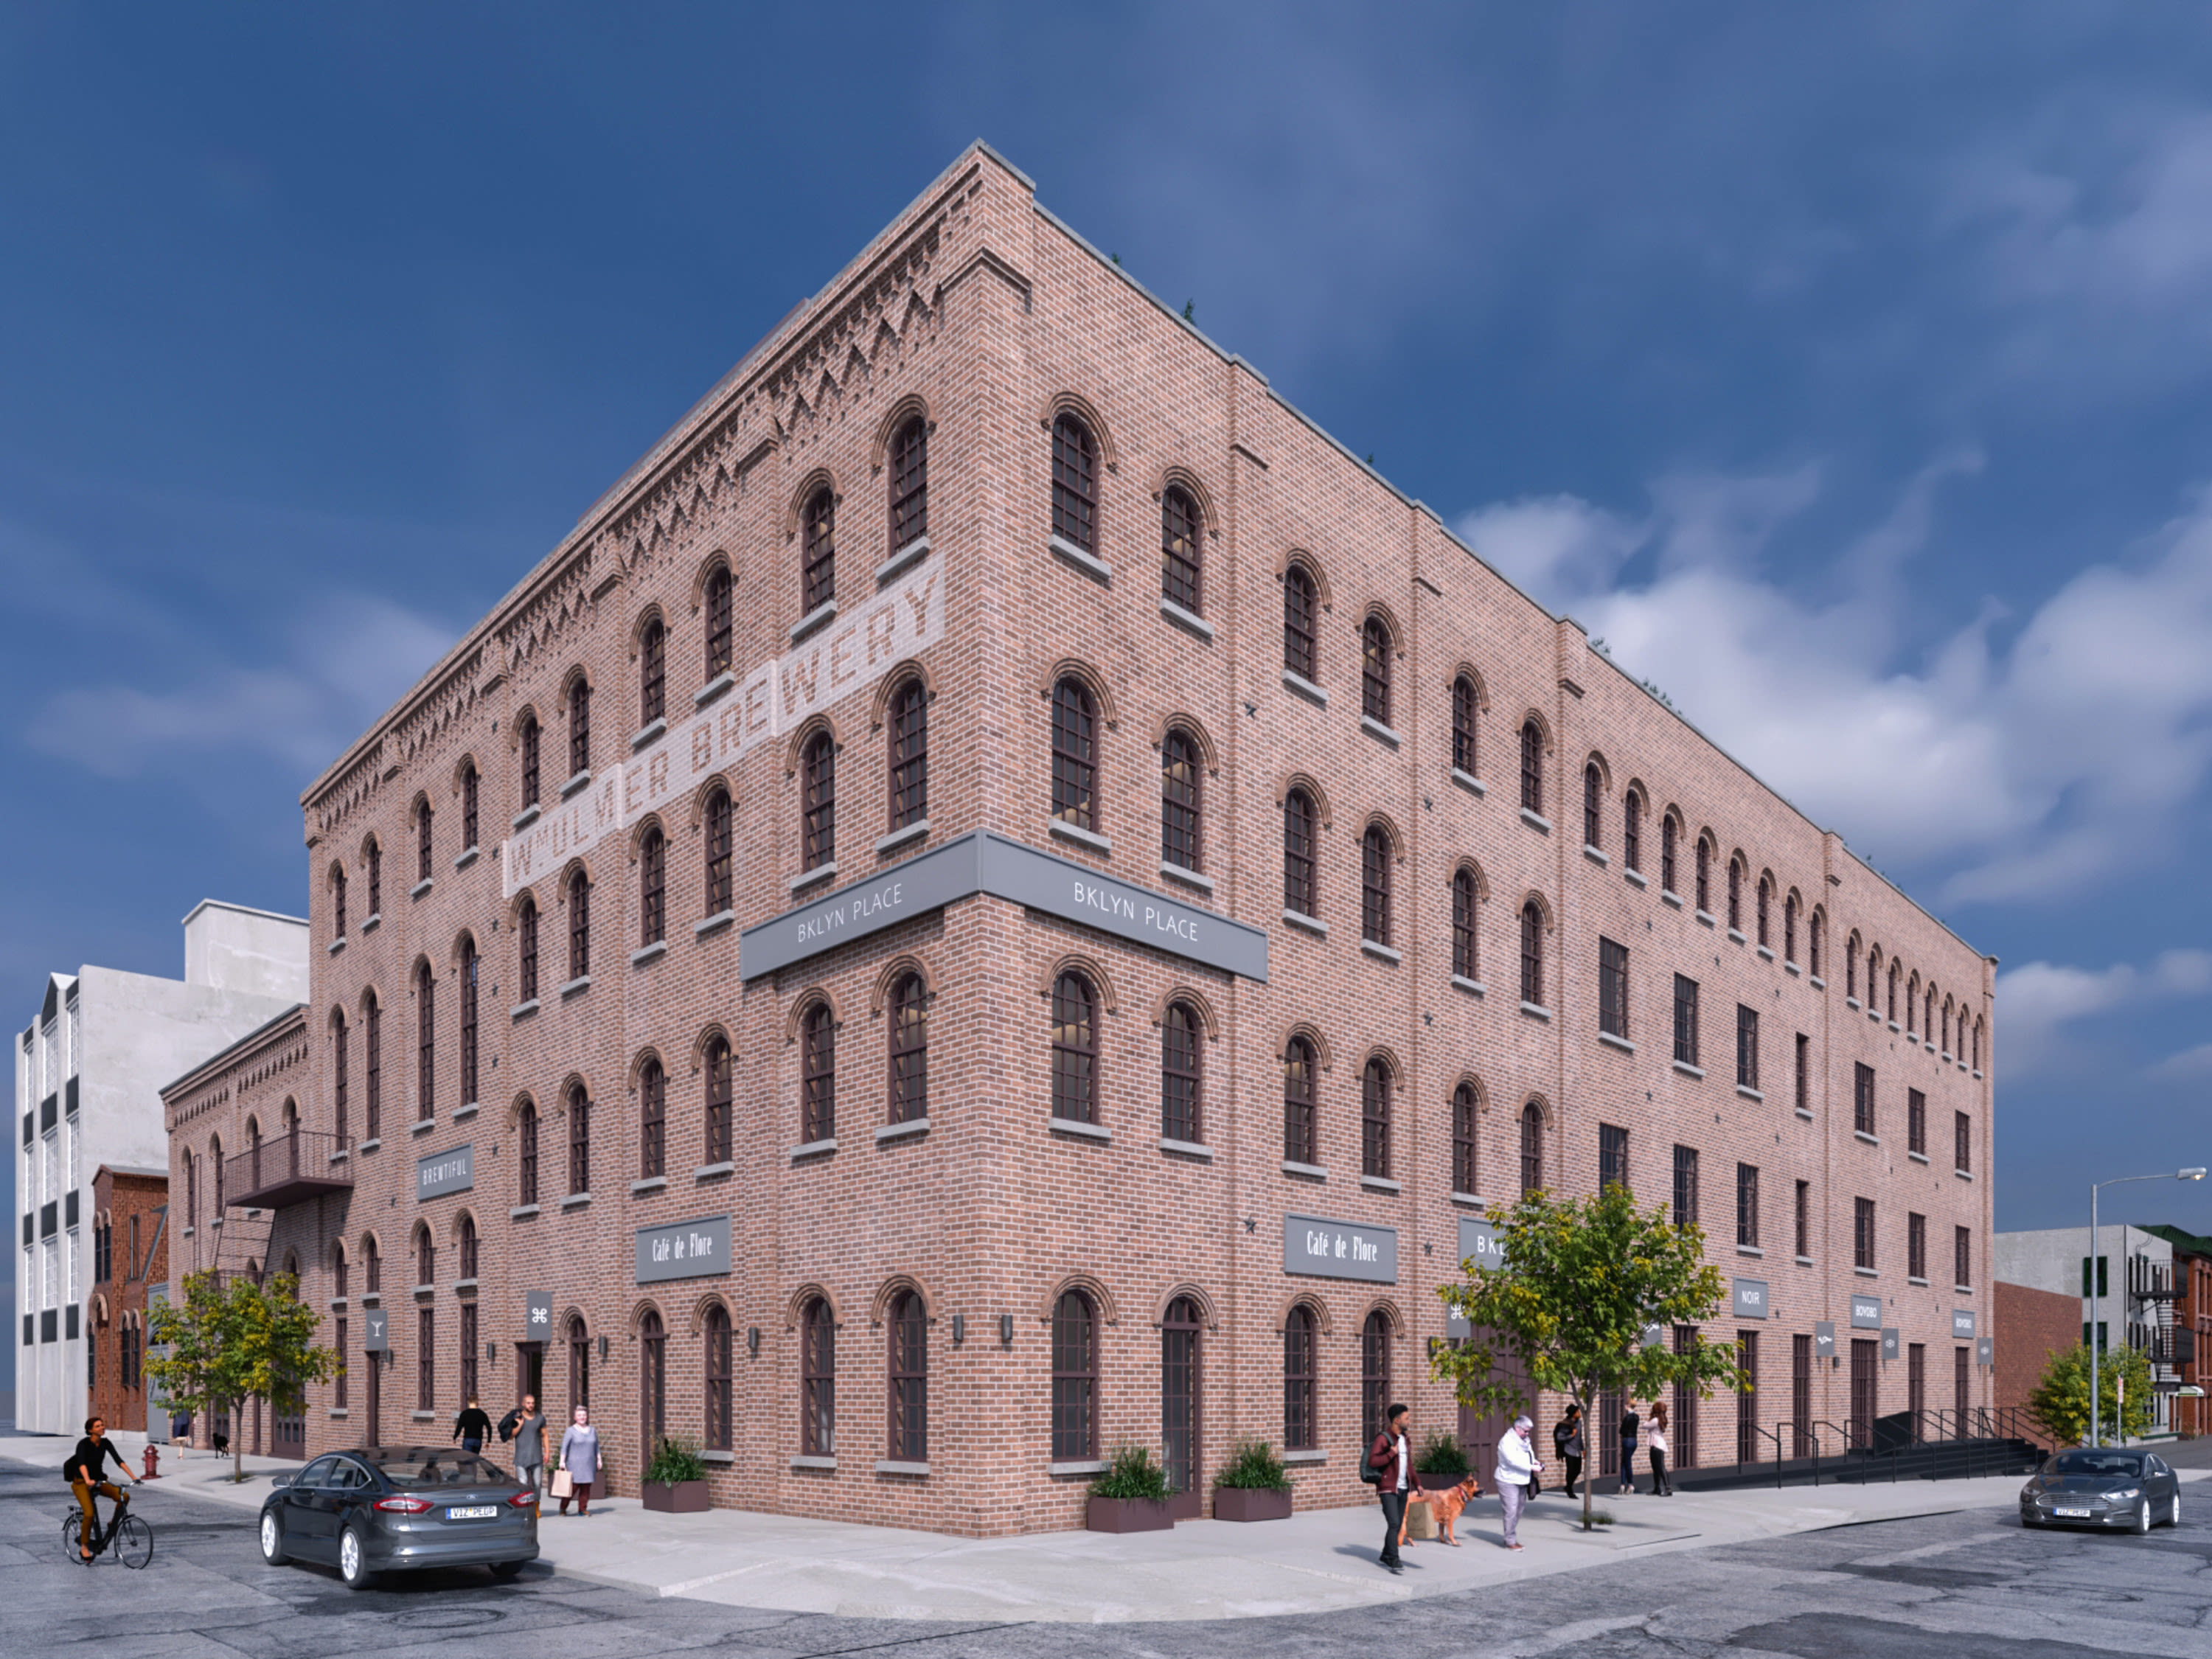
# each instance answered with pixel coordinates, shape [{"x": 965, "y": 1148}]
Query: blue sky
[{"x": 1844, "y": 369}]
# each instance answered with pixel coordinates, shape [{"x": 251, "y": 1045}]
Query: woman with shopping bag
[{"x": 580, "y": 1463}]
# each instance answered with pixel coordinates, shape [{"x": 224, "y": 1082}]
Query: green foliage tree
[
  {"x": 1580, "y": 1282},
  {"x": 237, "y": 1341},
  {"x": 2060, "y": 1400}
]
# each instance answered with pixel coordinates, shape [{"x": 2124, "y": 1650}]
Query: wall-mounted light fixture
[
  {"x": 603, "y": 1346},
  {"x": 960, "y": 1329},
  {"x": 491, "y": 1350},
  {"x": 1005, "y": 1330},
  {"x": 752, "y": 1342}
]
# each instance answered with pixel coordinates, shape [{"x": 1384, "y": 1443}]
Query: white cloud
[
  {"x": 2037, "y": 997},
  {"x": 2187, "y": 1065}
]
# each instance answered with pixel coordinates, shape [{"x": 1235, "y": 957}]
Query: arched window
[
  {"x": 372, "y": 1043},
  {"x": 426, "y": 1043},
  {"x": 818, "y": 570},
  {"x": 910, "y": 481},
  {"x": 719, "y": 893},
  {"x": 1301, "y": 608},
  {"x": 1465, "y": 1109},
  {"x": 1736, "y": 895},
  {"x": 580, "y": 1140},
  {"x": 1893, "y": 971},
  {"x": 525, "y": 937},
  {"x": 1375, "y": 652},
  {"x": 1790, "y": 928},
  {"x": 817, "y": 772},
  {"x": 1532, "y": 768},
  {"x": 426, "y": 1256},
  {"x": 1765, "y": 912},
  {"x": 1531, "y": 955},
  {"x": 1374, "y": 1373},
  {"x": 1632, "y": 832},
  {"x": 371, "y": 1267},
  {"x": 1074, "y": 754},
  {"x": 1375, "y": 1088},
  {"x": 1074, "y": 1049},
  {"x": 469, "y": 976},
  {"x": 719, "y": 644},
  {"x": 908, "y": 1406},
  {"x": 579, "y": 1365},
  {"x": 472, "y": 804},
  {"x": 425, "y": 843},
  {"x": 580, "y": 726},
  {"x": 1180, "y": 1079},
  {"x": 1075, "y": 1378},
  {"x": 1704, "y": 876},
  {"x": 1182, "y": 1369},
  {"x": 469, "y": 1257},
  {"x": 653, "y": 887},
  {"x": 1179, "y": 550},
  {"x": 1375, "y": 860},
  {"x": 214, "y": 1163},
  {"x": 339, "y": 1079},
  {"x": 1465, "y": 962},
  {"x": 817, "y": 1380},
  {"x": 1670, "y": 836},
  {"x": 1593, "y": 800},
  {"x": 909, "y": 1056},
  {"x": 337, "y": 1266},
  {"x": 1812, "y": 944},
  {"x": 1299, "y": 826},
  {"x": 1465, "y": 704},
  {"x": 1300, "y": 1429},
  {"x": 337, "y": 901},
  {"x": 1851, "y": 966},
  {"x": 718, "y": 1367},
  {"x": 191, "y": 1191},
  {"x": 908, "y": 728},
  {"x": 1074, "y": 484},
  {"x": 818, "y": 1064},
  {"x": 580, "y": 926},
  {"x": 1181, "y": 841},
  {"x": 721, "y": 1095},
  {"x": 375, "y": 877},
  {"x": 1927, "y": 1018},
  {"x": 1532, "y": 1148},
  {"x": 652, "y": 1383},
  {"x": 652, "y": 1120},
  {"x": 527, "y": 740},
  {"x": 652, "y": 674},
  {"x": 1300, "y": 1140}
]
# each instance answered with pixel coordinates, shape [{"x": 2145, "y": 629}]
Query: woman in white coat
[{"x": 1516, "y": 1466}]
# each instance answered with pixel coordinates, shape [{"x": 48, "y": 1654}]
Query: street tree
[
  {"x": 237, "y": 1340},
  {"x": 2060, "y": 1400}
]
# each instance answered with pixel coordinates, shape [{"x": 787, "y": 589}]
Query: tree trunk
[
  {"x": 1589, "y": 1461},
  {"x": 238, "y": 1439}
]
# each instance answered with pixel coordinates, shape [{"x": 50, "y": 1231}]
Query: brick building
[
  {"x": 1001, "y": 895},
  {"x": 2189, "y": 1337},
  {"x": 2031, "y": 1325},
  {"x": 129, "y": 1259}
]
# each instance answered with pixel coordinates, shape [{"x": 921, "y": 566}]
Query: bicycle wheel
[
  {"x": 134, "y": 1542},
  {"x": 72, "y": 1532}
]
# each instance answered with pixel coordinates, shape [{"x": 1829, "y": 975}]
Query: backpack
[{"x": 1369, "y": 1474}]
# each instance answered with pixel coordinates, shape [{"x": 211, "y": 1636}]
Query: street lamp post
[{"x": 2094, "y": 1346}]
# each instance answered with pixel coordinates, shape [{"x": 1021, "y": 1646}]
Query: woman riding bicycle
[{"x": 84, "y": 1471}]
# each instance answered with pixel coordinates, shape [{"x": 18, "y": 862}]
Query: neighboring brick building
[
  {"x": 129, "y": 1253},
  {"x": 1066, "y": 889},
  {"x": 2031, "y": 1325},
  {"x": 2190, "y": 1338}
]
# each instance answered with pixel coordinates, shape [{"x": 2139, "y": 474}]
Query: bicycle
[{"x": 128, "y": 1539}]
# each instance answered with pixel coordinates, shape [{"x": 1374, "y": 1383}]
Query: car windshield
[
  {"x": 417, "y": 1466},
  {"x": 2098, "y": 1462}
]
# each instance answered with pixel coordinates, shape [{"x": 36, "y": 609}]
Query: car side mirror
[{"x": 280, "y": 1480}]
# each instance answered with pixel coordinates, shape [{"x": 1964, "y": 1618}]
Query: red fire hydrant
[{"x": 152, "y": 1462}]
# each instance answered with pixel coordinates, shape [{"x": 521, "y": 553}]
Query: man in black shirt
[
  {"x": 83, "y": 1470},
  {"x": 471, "y": 1427},
  {"x": 1629, "y": 1423}
]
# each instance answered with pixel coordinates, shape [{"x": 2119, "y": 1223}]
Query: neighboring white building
[
  {"x": 2135, "y": 1289},
  {"x": 90, "y": 1069}
]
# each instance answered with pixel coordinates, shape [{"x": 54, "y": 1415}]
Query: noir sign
[
  {"x": 445, "y": 1172},
  {"x": 537, "y": 1316},
  {"x": 376, "y": 1331},
  {"x": 684, "y": 1249},
  {"x": 1889, "y": 1342},
  {"x": 1985, "y": 1351},
  {"x": 1751, "y": 1298},
  {"x": 1824, "y": 1339},
  {"x": 1962, "y": 1324},
  {"x": 1339, "y": 1249},
  {"x": 1865, "y": 1313}
]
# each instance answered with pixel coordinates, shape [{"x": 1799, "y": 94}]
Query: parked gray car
[
  {"x": 385, "y": 1509},
  {"x": 2104, "y": 1486}
]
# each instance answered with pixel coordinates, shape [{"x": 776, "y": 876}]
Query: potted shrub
[
  {"x": 1132, "y": 1496},
  {"x": 676, "y": 1479},
  {"x": 1441, "y": 1462},
  {"x": 1255, "y": 1486}
]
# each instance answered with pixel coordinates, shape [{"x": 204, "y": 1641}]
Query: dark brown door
[
  {"x": 530, "y": 1373},
  {"x": 1866, "y": 1357},
  {"x": 1801, "y": 1396},
  {"x": 1181, "y": 1384},
  {"x": 1480, "y": 1431},
  {"x": 372, "y": 1399}
]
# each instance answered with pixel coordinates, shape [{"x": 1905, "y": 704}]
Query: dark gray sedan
[
  {"x": 387, "y": 1509},
  {"x": 2103, "y": 1487}
]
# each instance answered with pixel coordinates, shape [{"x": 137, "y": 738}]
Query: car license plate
[
  {"x": 2070, "y": 1514},
  {"x": 473, "y": 1512}
]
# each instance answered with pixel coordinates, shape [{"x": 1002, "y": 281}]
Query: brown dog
[{"x": 1446, "y": 1506}]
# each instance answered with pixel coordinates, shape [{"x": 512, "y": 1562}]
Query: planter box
[
  {"x": 682, "y": 1498},
  {"x": 1127, "y": 1515},
  {"x": 1251, "y": 1503}
]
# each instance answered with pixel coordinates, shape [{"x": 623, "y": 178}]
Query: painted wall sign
[
  {"x": 852, "y": 652},
  {"x": 1865, "y": 1313},
  {"x": 981, "y": 862},
  {"x": 1962, "y": 1324},
  {"x": 440, "y": 1173},
  {"x": 375, "y": 1331},
  {"x": 1751, "y": 1298},
  {"x": 1824, "y": 1339},
  {"x": 1889, "y": 1342},
  {"x": 684, "y": 1249},
  {"x": 1339, "y": 1249},
  {"x": 537, "y": 1316}
]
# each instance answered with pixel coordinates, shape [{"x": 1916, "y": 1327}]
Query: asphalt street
[{"x": 1969, "y": 1586}]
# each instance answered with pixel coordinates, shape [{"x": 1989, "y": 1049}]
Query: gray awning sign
[
  {"x": 1889, "y": 1342},
  {"x": 1751, "y": 1298},
  {"x": 1478, "y": 1242},
  {"x": 684, "y": 1249},
  {"x": 376, "y": 1333},
  {"x": 1824, "y": 1339},
  {"x": 440, "y": 1173},
  {"x": 1984, "y": 1351},
  {"x": 1865, "y": 1313},
  {"x": 1962, "y": 1324},
  {"x": 1339, "y": 1249},
  {"x": 537, "y": 1316}
]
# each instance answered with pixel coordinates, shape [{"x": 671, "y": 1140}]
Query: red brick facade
[
  {"x": 129, "y": 1251},
  {"x": 2031, "y": 1325},
  {"x": 979, "y": 312}
]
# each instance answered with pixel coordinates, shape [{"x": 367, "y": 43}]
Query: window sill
[
  {"x": 1535, "y": 1011},
  {"x": 1381, "y": 952},
  {"x": 1688, "y": 1070},
  {"x": 1374, "y": 728},
  {"x": 339, "y": 1156},
  {"x": 1304, "y": 1171},
  {"x": 1766, "y": 951},
  {"x": 580, "y": 781},
  {"x": 912, "y": 554},
  {"x": 576, "y": 1200},
  {"x": 1861, "y": 1134},
  {"x": 186, "y": 1233},
  {"x": 465, "y": 1287},
  {"x": 821, "y": 1148},
  {"x": 1468, "y": 781},
  {"x": 1619, "y": 1042},
  {"x": 1061, "y": 830},
  {"x": 1704, "y": 918},
  {"x": 1189, "y": 621},
  {"x": 1473, "y": 987},
  {"x": 337, "y": 1411},
  {"x": 651, "y": 733},
  {"x": 1750, "y": 1093},
  {"x": 1962, "y": 1289},
  {"x": 335, "y": 947},
  {"x": 576, "y": 987},
  {"x": 372, "y": 1298},
  {"x": 462, "y": 1114},
  {"x": 820, "y": 617},
  {"x": 897, "y": 1466},
  {"x": 905, "y": 834},
  {"x": 709, "y": 1171},
  {"x": 423, "y": 1126},
  {"x": 420, "y": 888},
  {"x": 1076, "y": 1130},
  {"x": 1186, "y": 1149},
  {"x": 712, "y": 924},
  {"x": 829, "y": 1464},
  {"x": 1910, "y": 1279},
  {"x": 1947, "y": 1057},
  {"x": 1853, "y": 1003},
  {"x": 1476, "y": 1199},
  {"x": 522, "y": 1212},
  {"x": 1749, "y": 1250},
  {"x": 1802, "y": 1113},
  {"x": 1305, "y": 923},
  {"x": 1964, "y": 1175},
  {"x": 648, "y": 1184},
  {"x": 712, "y": 1456},
  {"x": 522, "y": 1010},
  {"x": 1816, "y": 981},
  {"x": 1536, "y": 821},
  {"x": 1918, "y": 1157},
  {"x": 1596, "y": 855},
  {"x": 1977, "y": 1076},
  {"x": 1894, "y": 1025},
  {"x": 1737, "y": 936},
  {"x": 1304, "y": 688},
  {"x": 645, "y": 953},
  {"x": 1305, "y": 1457},
  {"x": 370, "y": 1145},
  {"x": 1381, "y": 1184},
  {"x": 806, "y": 878},
  {"x": 1176, "y": 872},
  {"x": 527, "y": 817},
  {"x": 1089, "y": 563},
  {"x": 713, "y": 688},
  {"x": 1635, "y": 877},
  {"x": 422, "y": 1417},
  {"x": 1082, "y": 1466},
  {"x": 1867, "y": 1272},
  {"x": 1668, "y": 895},
  {"x": 912, "y": 1128},
  {"x": 1791, "y": 967},
  {"x": 468, "y": 856},
  {"x": 1803, "y": 1260}
]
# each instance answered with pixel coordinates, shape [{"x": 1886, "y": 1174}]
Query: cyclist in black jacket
[{"x": 84, "y": 1471}]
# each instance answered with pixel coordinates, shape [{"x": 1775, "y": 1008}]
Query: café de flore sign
[
  {"x": 684, "y": 1249},
  {"x": 1339, "y": 1249}
]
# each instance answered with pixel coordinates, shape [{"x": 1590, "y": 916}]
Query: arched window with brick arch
[
  {"x": 1466, "y": 1109},
  {"x": 468, "y": 974},
  {"x": 425, "y": 842},
  {"x": 1465, "y": 707},
  {"x": 1377, "y": 1091},
  {"x": 1764, "y": 915},
  {"x": 1376, "y": 854},
  {"x": 580, "y": 1140},
  {"x": 1301, "y": 1346},
  {"x": 653, "y": 887},
  {"x": 1376, "y": 650},
  {"x": 1300, "y": 1138},
  {"x": 720, "y": 1088},
  {"x": 1466, "y": 960},
  {"x": 1593, "y": 806},
  {"x": 426, "y": 1043},
  {"x": 1074, "y": 484},
  {"x": 1301, "y": 832},
  {"x": 530, "y": 742},
  {"x": 525, "y": 946},
  {"x": 1632, "y": 832},
  {"x": 909, "y": 483},
  {"x": 907, "y": 1328},
  {"x": 1705, "y": 877},
  {"x": 425, "y": 1254},
  {"x": 580, "y": 726},
  {"x": 1670, "y": 836},
  {"x": 1180, "y": 569},
  {"x": 818, "y": 554},
  {"x": 371, "y": 1267},
  {"x": 1182, "y": 823},
  {"x": 717, "y": 1356},
  {"x": 1074, "y": 1049},
  {"x": 372, "y": 1048},
  {"x": 1736, "y": 895},
  {"x": 652, "y": 1120},
  {"x": 338, "y": 901},
  {"x": 338, "y": 1102},
  {"x": 1301, "y": 623},
  {"x": 1074, "y": 1377},
  {"x": 580, "y": 925},
  {"x": 470, "y": 1261},
  {"x": 818, "y": 776},
  {"x": 1812, "y": 931},
  {"x": 721, "y": 893},
  {"x": 1182, "y": 1076},
  {"x": 652, "y": 1383},
  {"x": 579, "y": 1365},
  {"x": 818, "y": 1073},
  {"x": 720, "y": 641},
  {"x": 1790, "y": 928},
  {"x": 1074, "y": 754},
  {"x": 909, "y": 1050},
  {"x": 652, "y": 674},
  {"x": 1532, "y": 768},
  {"x": 1532, "y": 1148},
  {"x": 907, "y": 726},
  {"x": 1531, "y": 955},
  {"x": 1374, "y": 1373}
]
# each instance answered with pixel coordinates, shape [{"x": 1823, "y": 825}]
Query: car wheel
[
  {"x": 2173, "y": 1515},
  {"x": 353, "y": 1560},
  {"x": 272, "y": 1540},
  {"x": 506, "y": 1572},
  {"x": 2141, "y": 1526}
]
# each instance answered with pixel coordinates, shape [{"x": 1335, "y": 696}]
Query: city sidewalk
[{"x": 1314, "y": 1562}]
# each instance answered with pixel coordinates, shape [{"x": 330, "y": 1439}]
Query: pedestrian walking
[
  {"x": 1629, "y": 1423},
  {"x": 529, "y": 1435},
  {"x": 1517, "y": 1466},
  {"x": 1661, "y": 1485},
  {"x": 1393, "y": 1464},
  {"x": 471, "y": 1427},
  {"x": 580, "y": 1461},
  {"x": 1567, "y": 1445}
]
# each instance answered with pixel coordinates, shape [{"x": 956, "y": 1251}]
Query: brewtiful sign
[{"x": 848, "y": 654}]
